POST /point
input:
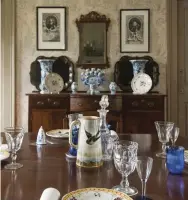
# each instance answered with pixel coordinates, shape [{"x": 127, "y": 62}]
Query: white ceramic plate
[
  {"x": 58, "y": 133},
  {"x": 96, "y": 194},
  {"x": 4, "y": 154},
  {"x": 54, "y": 83},
  {"x": 141, "y": 83}
]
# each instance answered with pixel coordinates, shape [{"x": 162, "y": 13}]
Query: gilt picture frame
[
  {"x": 51, "y": 28},
  {"x": 93, "y": 28},
  {"x": 134, "y": 30}
]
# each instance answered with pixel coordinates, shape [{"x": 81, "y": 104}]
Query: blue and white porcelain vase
[
  {"x": 74, "y": 87},
  {"x": 93, "y": 78},
  {"x": 113, "y": 87},
  {"x": 46, "y": 68},
  {"x": 138, "y": 66}
]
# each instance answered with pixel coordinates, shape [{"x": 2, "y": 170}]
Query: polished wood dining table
[{"x": 47, "y": 166}]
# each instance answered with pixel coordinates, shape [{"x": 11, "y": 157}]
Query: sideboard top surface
[{"x": 82, "y": 94}]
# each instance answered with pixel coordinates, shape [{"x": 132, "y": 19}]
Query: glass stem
[
  {"x": 143, "y": 188},
  {"x": 164, "y": 148},
  {"x": 13, "y": 156},
  {"x": 124, "y": 182}
]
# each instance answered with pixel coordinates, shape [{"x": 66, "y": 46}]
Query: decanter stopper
[
  {"x": 104, "y": 102},
  {"x": 41, "y": 137}
]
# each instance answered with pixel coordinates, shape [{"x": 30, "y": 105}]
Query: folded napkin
[
  {"x": 3, "y": 147},
  {"x": 50, "y": 194}
]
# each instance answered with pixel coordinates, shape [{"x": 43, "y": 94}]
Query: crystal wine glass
[
  {"x": 14, "y": 137},
  {"x": 125, "y": 159},
  {"x": 143, "y": 167},
  {"x": 163, "y": 130},
  {"x": 174, "y": 135}
]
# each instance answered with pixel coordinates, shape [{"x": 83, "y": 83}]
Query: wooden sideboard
[{"x": 128, "y": 113}]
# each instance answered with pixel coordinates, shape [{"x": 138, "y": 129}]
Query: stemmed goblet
[
  {"x": 143, "y": 167},
  {"x": 174, "y": 135},
  {"x": 163, "y": 130},
  {"x": 14, "y": 137},
  {"x": 125, "y": 159}
]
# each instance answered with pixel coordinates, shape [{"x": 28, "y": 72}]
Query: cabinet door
[
  {"x": 49, "y": 118},
  {"x": 141, "y": 121}
]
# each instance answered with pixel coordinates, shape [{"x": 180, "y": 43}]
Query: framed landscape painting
[
  {"x": 51, "y": 28},
  {"x": 134, "y": 30}
]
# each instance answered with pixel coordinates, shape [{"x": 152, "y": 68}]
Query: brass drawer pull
[
  {"x": 151, "y": 104},
  {"x": 40, "y": 103},
  {"x": 135, "y": 104},
  {"x": 56, "y": 103},
  {"x": 80, "y": 104},
  {"x": 96, "y": 101},
  {"x": 49, "y": 100}
]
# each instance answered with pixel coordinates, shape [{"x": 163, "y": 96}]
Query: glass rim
[
  {"x": 76, "y": 114},
  {"x": 175, "y": 147},
  {"x": 164, "y": 122},
  {"x": 13, "y": 128},
  {"x": 126, "y": 143}
]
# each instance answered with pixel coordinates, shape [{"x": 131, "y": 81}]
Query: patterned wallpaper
[{"x": 26, "y": 40}]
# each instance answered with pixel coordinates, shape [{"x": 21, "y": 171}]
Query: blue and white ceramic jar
[
  {"x": 113, "y": 87},
  {"x": 74, "y": 87}
]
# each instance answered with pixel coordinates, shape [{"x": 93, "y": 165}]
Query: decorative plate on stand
[
  {"x": 54, "y": 83},
  {"x": 141, "y": 83}
]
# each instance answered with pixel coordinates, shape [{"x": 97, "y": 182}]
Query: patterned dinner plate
[
  {"x": 96, "y": 194},
  {"x": 4, "y": 154},
  {"x": 141, "y": 83},
  {"x": 58, "y": 133}
]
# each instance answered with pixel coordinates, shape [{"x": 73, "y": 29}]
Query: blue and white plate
[{"x": 141, "y": 83}]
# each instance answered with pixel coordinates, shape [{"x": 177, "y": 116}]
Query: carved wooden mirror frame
[{"x": 93, "y": 53}]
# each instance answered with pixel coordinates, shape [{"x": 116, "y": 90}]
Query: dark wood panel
[
  {"x": 49, "y": 119},
  {"x": 141, "y": 121}
]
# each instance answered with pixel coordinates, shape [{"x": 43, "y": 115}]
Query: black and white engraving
[
  {"x": 51, "y": 27},
  {"x": 134, "y": 29}
]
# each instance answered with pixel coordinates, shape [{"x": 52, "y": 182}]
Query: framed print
[
  {"x": 93, "y": 29},
  {"x": 134, "y": 30},
  {"x": 51, "y": 28}
]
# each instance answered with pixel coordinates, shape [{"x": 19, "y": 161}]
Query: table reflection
[
  {"x": 175, "y": 186},
  {"x": 14, "y": 188}
]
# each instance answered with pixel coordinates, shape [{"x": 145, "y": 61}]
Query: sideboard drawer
[
  {"x": 84, "y": 103},
  {"x": 144, "y": 103},
  {"x": 49, "y": 102},
  {"x": 87, "y": 103}
]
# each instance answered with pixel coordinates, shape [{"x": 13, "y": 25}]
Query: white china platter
[
  {"x": 141, "y": 83},
  {"x": 58, "y": 133},
  {"x": 54, "y": 83},
  {"x": 96, "y": 194},
  {"x": 4, "y": 154}
]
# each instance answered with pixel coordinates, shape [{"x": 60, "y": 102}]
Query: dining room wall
[{"x": 26, "y": 51}]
